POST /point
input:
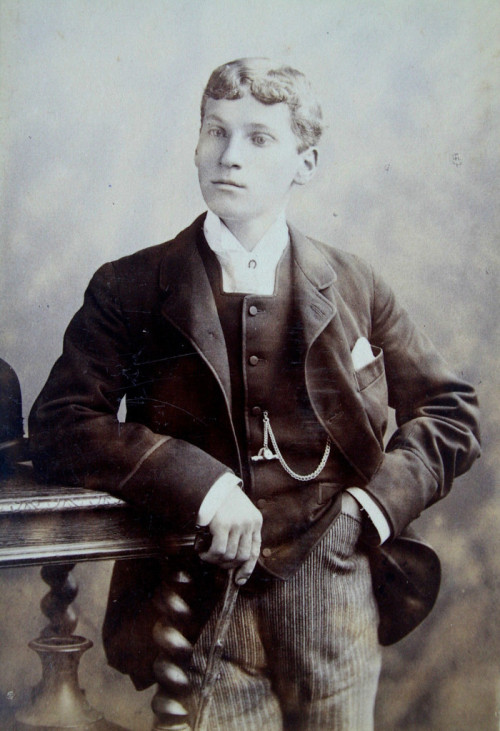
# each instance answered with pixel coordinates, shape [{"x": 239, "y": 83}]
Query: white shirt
[{"x": 254, "y": 272}]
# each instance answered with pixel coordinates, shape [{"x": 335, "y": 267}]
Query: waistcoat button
[
  {"x": 252, "y": 310},
  {"x": 266, "y": 552},
  {"x": 253, "y": 360},
  {"x": 261, "y": 502},
  {"x": 256, "y": 411}
]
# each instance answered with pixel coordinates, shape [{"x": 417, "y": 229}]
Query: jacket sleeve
[
  {"x": 76, "y": 438},
  {"x": 437, "y": 435}
]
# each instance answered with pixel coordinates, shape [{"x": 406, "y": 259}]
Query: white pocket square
[{"x": 361, "y": 354}]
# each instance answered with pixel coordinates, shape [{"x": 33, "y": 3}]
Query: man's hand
[{"x": 236, "y": 538}]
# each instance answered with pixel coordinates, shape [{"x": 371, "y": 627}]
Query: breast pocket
[{"x": 372, "y": 386}]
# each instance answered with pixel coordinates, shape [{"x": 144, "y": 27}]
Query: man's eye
[
  {"x": 216, "y": 132},
  {"x": 261, "y": 140}
]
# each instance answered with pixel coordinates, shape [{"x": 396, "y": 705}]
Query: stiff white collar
[{"x": 252, "y": 272}]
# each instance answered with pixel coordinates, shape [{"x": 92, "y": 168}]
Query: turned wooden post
[
  {"x": 58, "y": 701},
  {"x": 188, "y": 592},
  {"x": 172, "y": 634},
  {"x": 56, "y": 604}
]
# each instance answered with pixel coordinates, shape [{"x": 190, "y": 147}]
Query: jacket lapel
[
  {"x": 329, "y": 371},
  {"x": 189, "y": 304}
]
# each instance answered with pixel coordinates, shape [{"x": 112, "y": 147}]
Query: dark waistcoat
[{"x": 266, "y": 354}]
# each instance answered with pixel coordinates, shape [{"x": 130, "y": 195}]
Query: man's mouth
[{"x": 229, "y": 183}]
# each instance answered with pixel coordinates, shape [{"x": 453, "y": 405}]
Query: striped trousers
[{"x": 303, "y": 654}]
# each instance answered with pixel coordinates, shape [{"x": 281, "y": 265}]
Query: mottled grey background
[{"x": 99, "y": 120}]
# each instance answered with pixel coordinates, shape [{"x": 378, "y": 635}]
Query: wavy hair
[{"x": 269, "y": 84}]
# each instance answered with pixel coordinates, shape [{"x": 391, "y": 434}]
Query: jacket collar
[
  {"x": 313, "y": 277},
  {"x": 311, "y": 261},
  {"x": 190, "y": 306},
  {"x": 189, "y": 303}
]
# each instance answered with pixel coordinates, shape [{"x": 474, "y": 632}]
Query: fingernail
[{"x": 241, "y": 581}]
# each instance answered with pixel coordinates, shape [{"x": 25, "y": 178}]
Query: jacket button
[
  {"x": 256, "y": 411},
  {"x": 253, "y": 360},
  {"x": 252, "y": 310},
  {"x": 266, "y": 552}
]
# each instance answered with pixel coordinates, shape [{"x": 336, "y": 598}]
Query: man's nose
[{"x": 231, "y": 154}]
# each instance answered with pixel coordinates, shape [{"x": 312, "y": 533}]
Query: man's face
[{"x": 247, "y": 159}]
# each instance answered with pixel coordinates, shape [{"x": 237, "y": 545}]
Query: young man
[{"x": 258, "y": 366}]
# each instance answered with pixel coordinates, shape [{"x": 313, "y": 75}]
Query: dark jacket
[{"x": 149, "y": 329}]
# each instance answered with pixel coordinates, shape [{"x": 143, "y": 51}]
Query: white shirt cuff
[
  {"x": 219, "y": 491},
  {"x": 374, "y": 513}
]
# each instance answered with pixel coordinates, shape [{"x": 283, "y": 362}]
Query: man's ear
[{"x": 307, "y": 166}]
